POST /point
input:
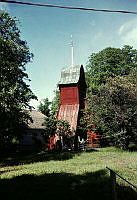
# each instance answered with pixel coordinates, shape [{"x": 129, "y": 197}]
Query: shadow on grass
[
  {"x": 126, "y": 193},
  {"x": 17, "y": 159},
  {"x": 61, "y": 186},
  {"x": 91, "y": 150},
  {"x": 31, "y": 157}
]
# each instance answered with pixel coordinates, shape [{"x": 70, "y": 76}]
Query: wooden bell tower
[{"x": 72, "y": 87}]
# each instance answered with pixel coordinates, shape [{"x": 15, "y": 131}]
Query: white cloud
[
  {"x": 128, "y": 33},
  {"x": 131, "y": 36},
  {"x": 121, "y": 30},
  {"x": 4, "y": 6}
]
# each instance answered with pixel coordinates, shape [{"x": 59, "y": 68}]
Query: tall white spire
[{"x": 72, "y": 52}]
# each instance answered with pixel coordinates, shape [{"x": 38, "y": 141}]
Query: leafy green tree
[
  {"x": 114, "y": 110},
  {"x": 15, "y": 93},
  {"x": 44, "y": 107},
  {"x": 50, "y": 126},
  {"x": 58, "y": 127},
  {"x": 109, "y": 62},
  {"x": 55, "y": 103},
  {"x": 50, "y": 108},
  {"x": 63, "y": 127},
  {"x": 63, "y": 130},
  {"x": 112, "y": 98}
]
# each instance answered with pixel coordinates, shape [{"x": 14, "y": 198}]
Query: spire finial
[{"x": 72, "y": 52}]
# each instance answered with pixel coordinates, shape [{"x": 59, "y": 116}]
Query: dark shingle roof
[{"x": 70, "y": 75}]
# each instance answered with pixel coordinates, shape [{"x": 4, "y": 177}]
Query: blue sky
[{"x": 48, "y": 31}]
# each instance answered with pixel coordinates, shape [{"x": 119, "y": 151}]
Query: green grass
[{"x": 66, "y": 175}]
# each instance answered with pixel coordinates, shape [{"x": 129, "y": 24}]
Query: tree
[
  {"x": 55, "y": 103},
  {"x": 114, "y": 110},
  {"x": 65, "y": 133},
  {"x": 109, "y": 62},
  {"x": 50, "y": 126},
  {"x": 111, "y": 95},
  {"x": 15, "y": 93},
  {"x": 60, "y": 128},
  {"x": 44, "y": 107},
  {"x": 50, "y": 108}
]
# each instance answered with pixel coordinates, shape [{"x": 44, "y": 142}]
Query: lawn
[{"x": 66, "y": 176}]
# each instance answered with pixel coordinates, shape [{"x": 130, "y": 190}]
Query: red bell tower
[{"x": 72, "y": 87}]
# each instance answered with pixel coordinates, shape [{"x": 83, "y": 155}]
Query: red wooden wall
[{"x": 69, "y": 95}]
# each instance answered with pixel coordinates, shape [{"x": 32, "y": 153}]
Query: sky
[{"x": 48, "y": 34}]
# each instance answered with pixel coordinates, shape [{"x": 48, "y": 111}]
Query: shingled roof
[
  {"x": 38, "y": 119},
  {"x": 70, "y": 75}
]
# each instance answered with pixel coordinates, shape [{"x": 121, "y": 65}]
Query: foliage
[
  {"x": 50, "y": 108},
  {"x": 15, "y": 93},
  {"x": 53, "y": 126},
  {"x": 114, "y": 110},
  {"x": 109, "y": 62},
  {"x": 62, "y": 127},
  {"x": 86, "y": 120},
  {"x": 111, "y": 95},
  {"x": 55, "y": 103},
  {"x": 50, "y": 126},
  {"x": 57, "y": 127},
  {"x": 44, "y": 107}
]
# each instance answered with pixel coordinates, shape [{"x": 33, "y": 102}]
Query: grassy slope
[{"x": 58, "y": 177}]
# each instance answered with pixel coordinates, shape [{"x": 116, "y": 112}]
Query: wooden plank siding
[
  {"x": 70, "y": 113},
  {"x": 69, "y": 95}
]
